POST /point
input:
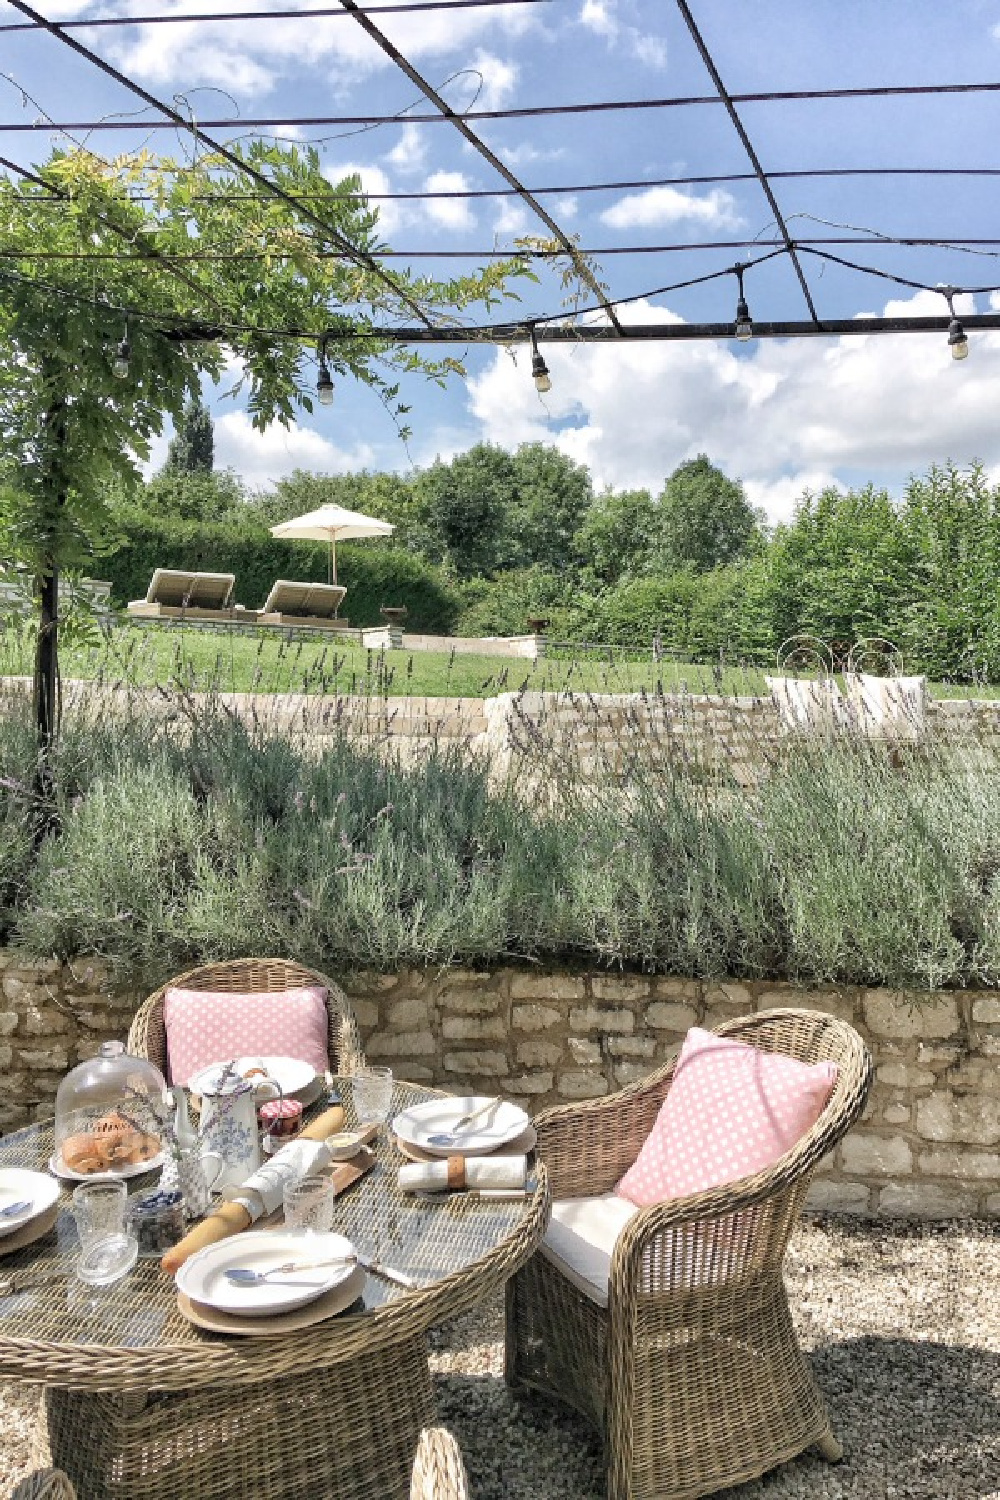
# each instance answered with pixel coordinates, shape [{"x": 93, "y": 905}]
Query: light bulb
[
  {"x": 743, "y": 327},
  {"x": 324, "y": 384},
  {"x": 540, "y": 374},
  {"x": 120, "y": 362},
  {"x": 958, "y": 342}
]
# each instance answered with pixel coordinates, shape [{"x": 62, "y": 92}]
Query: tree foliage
[
  {"x": 192, "y": 447},
  {"x": 705, "y": 518}
]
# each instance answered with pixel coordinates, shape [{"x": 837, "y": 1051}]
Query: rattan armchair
[
  {"x": 147, "y": 1037},
  {"x": 438, "y": 1470},
  {"x": 44, "y": 1484},
  {"x": 692, "y": 1371}
]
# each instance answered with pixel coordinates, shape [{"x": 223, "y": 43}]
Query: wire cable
[{"x": 334, "y": 12}]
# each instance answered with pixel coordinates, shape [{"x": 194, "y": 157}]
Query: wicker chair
[
  {"x": 44, "y": 1484},
  {"x": 438, "y": 1470},
  {"x": 692, "y": 1371},
  {"x": 147, "y": 1036}
]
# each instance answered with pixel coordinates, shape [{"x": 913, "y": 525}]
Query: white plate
[
  {"x": 290, "y": 1074},
  {"x": 59, "y": 1169},
  {"x": 438, "y": 1116},
  {"x": 203, "y": 1279},
  {"x": 16, "y": 1185}
]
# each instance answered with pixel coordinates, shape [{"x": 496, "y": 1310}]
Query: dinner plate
[
  {"x": 18, "y": 1185},
  {"x": 328, "y": 1306},
  {"x": 290, "y": 1074},
  {"x": 59, "y": 1169},
  {"x": 418, "y": 1125},
  {"x": 202, "y": 1278}
]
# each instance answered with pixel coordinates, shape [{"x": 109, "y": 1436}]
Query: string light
[
  {"x": 122, "y": 355},
  {"x": 539, "y": 369},
  {"x": 743, "y": 324},
  {"x": 324, "y": 380},
  {"x": 958, "y": 341}
]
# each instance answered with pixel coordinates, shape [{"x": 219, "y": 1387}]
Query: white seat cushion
[{"x": 581, "y": 1237}]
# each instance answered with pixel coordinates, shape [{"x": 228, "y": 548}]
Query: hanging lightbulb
[
  {"x": 958, "y": 340},
  {"x": 324, "y": 380},
  {"x": 743, "y": 324},
  {"x": 122, "y": 355},
  {"x": 539, "y": 369}
]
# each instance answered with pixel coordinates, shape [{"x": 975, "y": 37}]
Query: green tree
[
  {"x": 464, "y": 507},
  {"x": 552, "y": 494},
  {"x": 92, "y": 360},
  {"x": 191, "y": 495},
  {"x": 192, "y": 448},
  {"x": 706, "y": 520},
  {"x": 619, "y": 537}
]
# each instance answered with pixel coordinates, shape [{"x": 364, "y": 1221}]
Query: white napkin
[
  {"x": 298, "y": 1159},
  {"x": 489, "y": 1173}
]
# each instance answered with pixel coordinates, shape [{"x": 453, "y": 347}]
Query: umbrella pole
[{"x": 331, "y": 562}]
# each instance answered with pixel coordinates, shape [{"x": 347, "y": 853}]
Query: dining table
[{"x": 140, "y": 1402}]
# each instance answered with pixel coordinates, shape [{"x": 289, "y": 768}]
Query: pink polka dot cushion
[
  {"x": 210, "y": 1026},
  {"x": 732, "y": 1110}
]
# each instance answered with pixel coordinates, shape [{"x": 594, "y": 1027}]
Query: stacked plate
[
  {"x": 434, "y": 1129},
  {"x": 27, "y": 1206},
  {"x": 294, "y": 1078},
  {"x": 263, "y": 1297}
]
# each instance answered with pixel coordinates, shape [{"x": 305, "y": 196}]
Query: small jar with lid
[
  {"x": 157, "y": 1221},
  {"x": 109, "y": 1115}
]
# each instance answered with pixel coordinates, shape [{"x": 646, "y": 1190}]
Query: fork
[{"x": 246, "y": 1276}]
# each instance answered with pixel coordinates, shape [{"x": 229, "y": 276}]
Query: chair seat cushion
[
  {"x": 210, "y": 1026},
  {"x": 731, "y": 1111},
  {"x": 581, "y": 1236}
]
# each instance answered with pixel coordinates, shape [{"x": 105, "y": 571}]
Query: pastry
[{"x": 81, "y": 1153}]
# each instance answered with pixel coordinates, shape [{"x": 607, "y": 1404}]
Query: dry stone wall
[{"x": 928, "y": 1146}]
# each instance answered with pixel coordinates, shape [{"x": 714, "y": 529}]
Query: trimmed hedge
[{"x": 373, "y": 573}]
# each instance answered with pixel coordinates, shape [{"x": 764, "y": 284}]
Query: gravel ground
[{"x": 902, "y": 1322}]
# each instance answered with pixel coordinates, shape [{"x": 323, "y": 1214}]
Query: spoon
[
  {"x": 12, "y": 1210},
  {"x": 246, "y": 1276},
  {"x": 453, "y": 1137}
]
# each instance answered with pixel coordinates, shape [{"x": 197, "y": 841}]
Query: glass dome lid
[{"x": 109, "y": 1115}]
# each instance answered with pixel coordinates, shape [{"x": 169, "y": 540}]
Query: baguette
[{"x": 232, "y": 1218}]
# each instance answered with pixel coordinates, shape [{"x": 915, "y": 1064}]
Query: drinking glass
[
  {"x": 372, "y": 1095},
  {"x": 107, "y": 1250},
  {"x": 309, "y": 1204}
]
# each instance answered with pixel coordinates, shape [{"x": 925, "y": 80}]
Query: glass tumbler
[
  {"x": 372, "y": 1095},
  {"x": 107, "y": 1250},
  {"x": 308, "y": 1204}
]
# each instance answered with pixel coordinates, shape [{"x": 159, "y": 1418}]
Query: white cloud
[
  {"x": 262, "y": 457},
  {"x": 598, "y": 16},
  {"x": 451, "y": 213},
  {"x": 254, "y": 57},
  {"x": 528, "y": 155},
  {"x": 511, "y": 217},
  {"x": 791, "y": 414},
  {"x": 410, "y": 151},
  {"x": 651, "y": 50},
  {"x": 667, "y": 205},
  {"x": 374, "y": 179},
  {"x": 499, "y": 80},
  {"x": 601, "y": 17}
]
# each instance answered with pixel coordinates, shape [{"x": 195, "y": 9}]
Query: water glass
[
  {"x": 107, "y": 1250},
  {"x": 99, "y": 1210},
  {"x": 308, "y": 1204},
  {"x": 372, "y": 1095}
]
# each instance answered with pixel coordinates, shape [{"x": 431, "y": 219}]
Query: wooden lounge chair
[
  {"x": 147, "y": 1036},
  {"x": 175, "y": 594},
  {"x": 681, "y": 1349},
  {"x": 313, "y": 605}
]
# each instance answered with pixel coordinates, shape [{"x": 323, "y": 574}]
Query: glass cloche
[{"x": 109, "y": 1114}]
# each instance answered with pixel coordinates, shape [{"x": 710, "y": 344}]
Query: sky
[{"x": 780, "y": 415}]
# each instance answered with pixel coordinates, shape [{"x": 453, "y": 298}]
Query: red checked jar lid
[{"x": 281, "y": 1117}]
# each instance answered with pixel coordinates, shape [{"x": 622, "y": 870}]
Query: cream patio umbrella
[{"x": 331, "y": 524}]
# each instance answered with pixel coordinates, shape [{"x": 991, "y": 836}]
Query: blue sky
[{"x": 780, "y": 415}]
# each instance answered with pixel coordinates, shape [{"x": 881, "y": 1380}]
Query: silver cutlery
[
  {"x": 246, "y": 1276},
  {"x": 12, "y": 1210},
  {"x": 452, "y": 1137}
]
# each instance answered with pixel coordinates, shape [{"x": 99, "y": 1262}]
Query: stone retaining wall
[{"x": 929, "y": 1144}]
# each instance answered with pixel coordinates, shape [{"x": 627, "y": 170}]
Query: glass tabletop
[{"x": 430, "y": 1238}]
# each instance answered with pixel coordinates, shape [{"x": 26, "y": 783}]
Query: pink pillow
[
  {"x": 209, "y": 1026},
  {"x": 731, "y": 1111}
]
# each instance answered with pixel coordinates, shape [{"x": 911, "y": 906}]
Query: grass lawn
[{"x": 233, "y": 662}]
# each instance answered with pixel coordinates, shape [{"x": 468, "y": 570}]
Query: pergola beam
[{"x": 601, "y": 333}]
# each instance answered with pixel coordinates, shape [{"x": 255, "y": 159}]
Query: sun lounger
[
  {"x": 174, "y": 593},
  {"x": 303, "y": 604}
]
